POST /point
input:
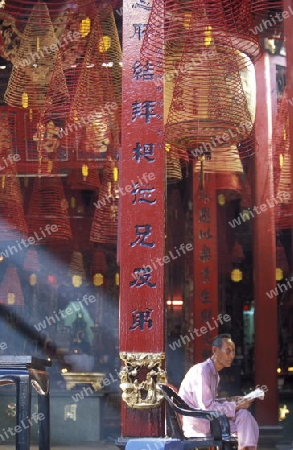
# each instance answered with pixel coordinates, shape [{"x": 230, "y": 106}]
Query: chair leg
[
  {"x": 44, "y": 424},
  {"x": 23, "y": 412}
]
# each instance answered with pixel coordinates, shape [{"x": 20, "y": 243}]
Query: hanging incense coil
[
  {"x": 281, "y": 157},
  {"x": 20, "y": 10},
  {"x": 31, "y": 71},
  {"x": 48, "y": 206},
  {"x": 209, "y": 107},
  {"x": 76, "y": 179},
  {"x": 112, "y": 49},
  {"x": 282, "y": 166},
  {"x": 10, "y": 290},
  {"x": 94, "y": 110},
  {"x": 171, "y": 24},
  {"x": 8, "y": 155},
  {"x": 13, "y": 224},
  {"x": 99, "y": 263},
  {"x": 31, "y": 261},
  {"x": 105, "y": 221},
  {"x": 237, "y": 253},
  {"x": 223, "y": 160},
  {"x": 76, "y": 266},
  {"x": 176, "y": 161}
]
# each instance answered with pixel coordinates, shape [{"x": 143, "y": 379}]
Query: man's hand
[{"x": 241, "y": 403}]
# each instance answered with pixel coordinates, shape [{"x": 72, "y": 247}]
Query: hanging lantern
[
  {"x": 33, "y": 279},
  {"x": 115, "y": 173},
  {"x": 117, "y": 279},
  {"x": 236, "y": 275},
  {"x": 98, "y": 279},
  {"x": 24, "y": 100},
  {"x": 85, "y": 171},
  {"x": 104, "y": 44},
  {"x": 76, "y": 281},
  {"x": 10, "y": 298},
  {"x": 85, "y": 27},
  {"x": 279, "y": 274},
  {"x": 51, "y": 279},
  {"x": 221, "y": 199}
]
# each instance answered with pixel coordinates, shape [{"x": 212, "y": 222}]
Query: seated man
[{"x": 199, "y": 390}]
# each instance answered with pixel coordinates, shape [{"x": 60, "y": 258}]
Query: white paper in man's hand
[{"x": 257, "y": 393}]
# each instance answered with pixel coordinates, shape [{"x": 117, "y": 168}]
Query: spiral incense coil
[
  {"x": 10, "y": 289},
  {"x": 48, "y": 205},
  {"x": 174, "y": 23},
  {"x": 105, "y": 221},
  {"x": 209, "y": 107}
]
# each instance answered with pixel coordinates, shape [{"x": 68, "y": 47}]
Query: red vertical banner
[
  {"x": 206, "y": 319},
  {"x": 141, "y": 233}
]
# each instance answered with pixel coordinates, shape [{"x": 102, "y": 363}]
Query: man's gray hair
[{"x": 218, "y": 340}]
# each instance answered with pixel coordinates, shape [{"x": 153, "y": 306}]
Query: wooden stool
[{"x": 25, "y": 372}]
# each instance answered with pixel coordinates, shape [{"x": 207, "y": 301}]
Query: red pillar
[
  {"x": 266, "y": 333},
  {"x": 288, "y": 26},
  {"x": 206, "y": 320},
  {"x": 141, "y": 234}
]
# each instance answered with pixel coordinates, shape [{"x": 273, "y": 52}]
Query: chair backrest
[{"x": 219, "y": 425}]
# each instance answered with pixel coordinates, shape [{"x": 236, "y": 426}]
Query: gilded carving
[{"x": 139, "y": 378}]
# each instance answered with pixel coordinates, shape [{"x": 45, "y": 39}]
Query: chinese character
[
  {"x": 142, "y": 276},
  {"x": 142, "y": 194},
  {"x": 70, "y": 412},
  {"x": 205, "y": 275},
  {"x": 139, "y": 30},
  {"x": 139, "y": 318},
  {"x": 143, "y": 109},
  {"x": 204, "y": 196},
  {"x": 205, "y": 315},
  {"x": 205, "y": 234},
  {"x": 142, "y": 232},
  {"x": 205, "y": 296},
  {"x": 146, "y": 73},
  {"x": 205, "y": 254},
  {"x": 142, "y": 4},
  {"x": 146, "y": 151},
  {"x": 204, "y": 215}
]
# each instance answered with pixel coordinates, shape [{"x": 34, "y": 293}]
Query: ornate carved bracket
[{"x": 139, "y": 376}]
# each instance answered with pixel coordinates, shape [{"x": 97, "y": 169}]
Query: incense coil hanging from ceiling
[
  {"x": 89, "y": 180},
  {"x": 33, "y": 64},
  {"x": 105, "y": 221},
  {"x": 281, "y": 145},
  {"x": 10, "y": 289},
  {"x": 282, "y": 165},
  {"x": 48, "y": 205},
  {"x": 209, "y": 107},
  {"x": 112, "y": 50},
  {"x": 48, "y": 135},
  {"x": 12, "y": 224},
  {"x": 94, "y": 113},
  {"x": 171, "y": 24}
]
